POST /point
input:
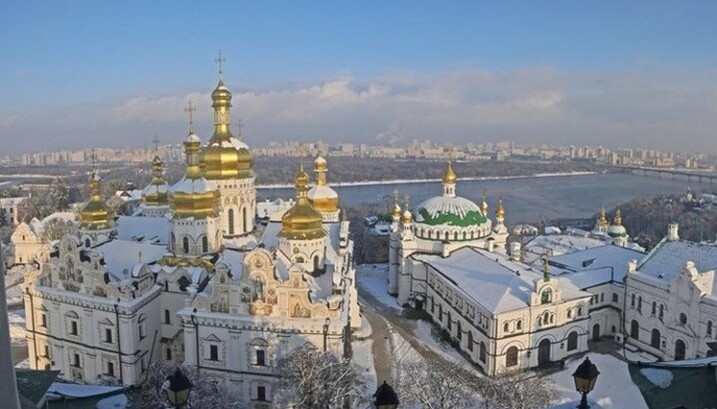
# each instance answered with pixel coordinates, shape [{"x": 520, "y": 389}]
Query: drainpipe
[
  {"x": 196, "y": 337},
  {"x": 119, "y": 341},
  {"x": 32, "y": 319}
]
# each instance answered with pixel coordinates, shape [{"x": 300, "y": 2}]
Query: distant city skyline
[{"x": 114, "y": 74}]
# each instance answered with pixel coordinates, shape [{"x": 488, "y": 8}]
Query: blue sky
[{"x": 92, "y": 57}]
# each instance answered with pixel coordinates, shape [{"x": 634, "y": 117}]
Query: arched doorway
[
  {"x": 596, "y": 332},
  {"x": 679, "y": 350},
  {"x": 634, "y": 330},
  {"x": 511, "y": 356},
  {"x": 655, "y": 339},
  {"x": 544, "y": 352},
  {"x": 572, "y": 341}
]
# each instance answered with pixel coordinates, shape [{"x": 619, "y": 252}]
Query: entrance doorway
[
  {"x": 596, "y": 332},
  {"x": 544, "y": 352}
]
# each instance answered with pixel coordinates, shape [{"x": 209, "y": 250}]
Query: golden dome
[
  {"x": 322, "y": 196},
  {"x": 194, "y": 196},
  {"x": 96, "y": 215},
  {"x": 484, "y": 206},
  {"x": 225, "y": 157},
  {"x": 500, "y": 211},
  {"x": 602, "y": 220},
  {"x": 302, "y": 221},
  {"x": 449, "y": 175},
  {"x": 407, "y": 217},
  {"x": 617, "y": 221},
  {"x": 156, "y": 193}
]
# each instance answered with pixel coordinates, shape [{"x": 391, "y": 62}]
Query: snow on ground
[
  {"x": 365, "y": 330},
  {"x": 17, "y": 327},
  {"x": 13, "y": 285},
  {"x": 614, "y": 388},
  {"x": 24, "y": 364},
  {"x": 113, "y": 402},
  {"x": 423, "y": 332},
  {"x": 363, "y": 356},
  {"x": 80, "y": 391},
  {"x": 632, "y": 353},
  {"x": 373, "y": 278}
]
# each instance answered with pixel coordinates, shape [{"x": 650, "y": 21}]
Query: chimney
[
  {"x": 515, "y": 250},
  {"x": 672, "y": 232}
]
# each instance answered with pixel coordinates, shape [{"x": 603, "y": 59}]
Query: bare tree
[
  {"x": 436, "y": 384},
  {"x": 518, "y": 390},
  {"x": 319, "y": 380},
  {"x": 205, "y": 392}
]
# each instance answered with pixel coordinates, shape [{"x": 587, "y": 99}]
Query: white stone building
[
  {"x": 194, "y": 278},
  {"x": 505, "y": 315},
  {"x": 8, "y": 209}
]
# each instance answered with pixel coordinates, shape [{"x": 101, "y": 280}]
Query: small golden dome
[
  {"x": 194, "y": 196},
  {"x": 96, "y": 215},
  {"x": 484, "y": 206},
  {"x": 500, "y": 211},
  {"x": 221, "y": 95},
  {"x": 322, "y": 196},
  {"x": 617, "y": 221},
  {"x": 302, "y": 221},
  {"x": 407, "y": 217},
  {"x": 156, "y": 193},
  {"x": 396, "y": 213},
  {"x": 320, "y": 164},
  {"x": 602, "y": 220},
  {"x": 449, "y": 175}
]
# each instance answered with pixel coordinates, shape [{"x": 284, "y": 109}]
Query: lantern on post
[
  {"x": 177, "y": 386},
  {"x": 385, "y": 397},
  {"x": 585, "y": 376}
]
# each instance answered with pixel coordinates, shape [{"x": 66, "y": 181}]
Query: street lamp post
[
  {"x": 585, "y": 376},
  {"x": 177, "y": 386},
  {"x": 385, "y": 397},
  {"x": 326, "y": 332}
]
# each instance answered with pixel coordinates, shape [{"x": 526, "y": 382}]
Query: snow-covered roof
[
  {"x": 665, "y": 262},
  {"x": 555, "y": 245},
  {"x": 200, "y": 185},
  {"x": 11, "y": 201},
  {"x": 273, "y": 210},
  {"x": 587, "y": 268},
  {"x": 136, "y": 228},
  {"x": 122, "y": 256},
  {"x": 491, "y": 279},
  {"x": 439, "y": 205}
]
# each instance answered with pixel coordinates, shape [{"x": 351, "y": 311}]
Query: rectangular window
[
  {"x": 73, "y": 328},
  {"x": 43, "y": 320},
  {"x": 169, "y": 354},
  {"x": 213, "y": 353},
  {"x": 76, "y": 360},
  {"x": 108, "y": 335},
  {"x": 261, "y": 393},
  {"x": 614, "y": 297},
  {"x": 110, "y": 369},
  {"x": 261, "y": 357},
  {"x": 47, "y": 351},
  {"x": 602, "y": 297},
  {"x": 141, "y": 331},
  {"x": 167, "y": 318}
]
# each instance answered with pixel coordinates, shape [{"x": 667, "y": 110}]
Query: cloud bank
[{"x": 662, "y": 109}]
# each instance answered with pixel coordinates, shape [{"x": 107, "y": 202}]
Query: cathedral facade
[{"x": 196, "y": 277}]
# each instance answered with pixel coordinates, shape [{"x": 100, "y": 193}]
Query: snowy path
[{"x": 381, "y": 355}]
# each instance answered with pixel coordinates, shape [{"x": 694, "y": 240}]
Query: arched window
[
  {"x": 173, "y": 244},
  {"x": 632, "y": 300},
  {"x": 449, "y": 323},
  {"x": 546, "y": 296},
  {"x": 570, "y": 313},
  {"x": 245, "y": 221},
  {"x": 519, "y": 325},
  {"x": 459, "y": 332},
  {"x": 482, "y": 353},
  {"x": 87, "y": 242},
  {"x": 440, "y": 312},
  {"x": 506, "y": 327},
  {"x": 185, "y": 245},
  {"x": 683, "y": 319},
  {"x": 679, "y": 350},
  {"x": 655, "y": 338},
  {"x": 654, "y": 308},
  {"x": 572, "y": 341},
  {"x": 552, "y": 318},
  {"x": 167, "y": 317},
  {"x": 709, "y": 328},
  {"x": 511, "y": 357},
  {"x": 205, "y": 244},
  {"x": 635, "y": 330},
  {"x": 230, "y": 220},
  {"x": 580, "y": 311},
  {"x": 639, "y": 303},
  {"x": 662, "y": 311}
]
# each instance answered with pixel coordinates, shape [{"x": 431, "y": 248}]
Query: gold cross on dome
[
  {"x": 190, "y": 109},
  {"x": 240, "y": 127},
  {"x": 155, "y": 141},
  {"x": 220, "y": 60}
]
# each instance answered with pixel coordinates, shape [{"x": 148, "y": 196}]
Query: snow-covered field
[
  {"x": 373, "y": 278},
  {"x": 614, "y": 388}
]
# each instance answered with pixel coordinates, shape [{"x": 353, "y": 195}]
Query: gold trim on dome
[
  {"x": 302, "y": 221},
  {"x": 199, "y": 205},
  {"x": 484, "y": 205},
  {"x": 500, "y": 211},
  {"x": 396, "y": 212},
  {"x": 172, "y": 261},
  {"x": 96, "y": 215},
  {"x": 407, "y": 217}
]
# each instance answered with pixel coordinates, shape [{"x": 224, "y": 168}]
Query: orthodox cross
[
  {"x": 240, "y": 127},
  {"x": 220, "y": 61},
  {"x": 190, "y": 109},
  {"x": 93, "y": 157},
  {"x": 155, "y": 142}
]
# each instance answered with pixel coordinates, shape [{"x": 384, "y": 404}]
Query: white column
[{"x": 8, "y": 384}]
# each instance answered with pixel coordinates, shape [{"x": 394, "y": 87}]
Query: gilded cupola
[
  {"x": 302, "y": 221},
  {"x": 96, "y": 215},
  {"x": 449, "y": 175},
  {"x": 194, "y": 195},
  {"x": 602, "y": 220},
  {"x": 157, "y": 192},
  {"x": 484, "y": 206},
  {"x": 321, "y": 196},
  {"x": 396, "y": 211},
  {"x": 225, "y": 157},
  {"x": 407, "y": 216},
  {"x": 500, "y": 211}
]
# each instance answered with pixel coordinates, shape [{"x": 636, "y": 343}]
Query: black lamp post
[
  {"x": 385, "y": 397},
  {"x": 178, "y": 387},
  {"x": 326, "y": 332},
  {"x": 585, "y": 376}
]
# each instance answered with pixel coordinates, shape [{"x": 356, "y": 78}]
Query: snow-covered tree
[
  {"x": 205, "y": 392},
  {"x": 320, "y": 380},
  {"x": 59, "y": 195},
  {"x": 56, "y": 229},
  {"x": 518, "y": 390},
  {"x": 436, "y": 384}
]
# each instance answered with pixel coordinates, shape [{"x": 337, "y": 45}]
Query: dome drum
[
  {"x": 222, "y": 160},
  {"x": 196, "y": 205}
]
